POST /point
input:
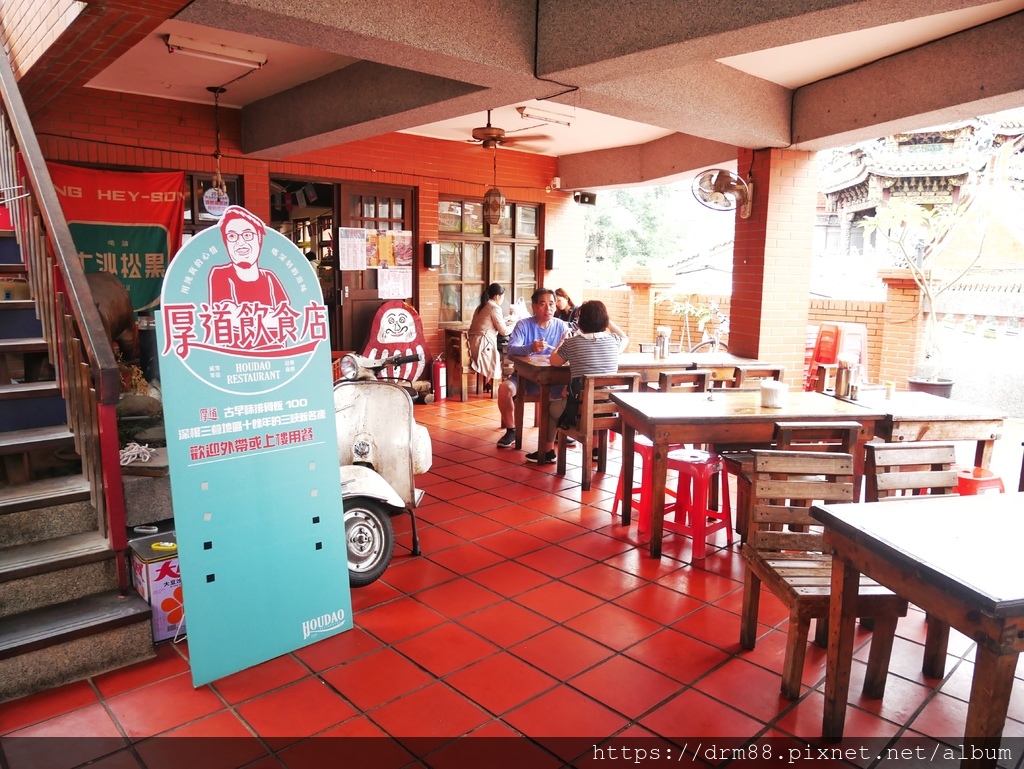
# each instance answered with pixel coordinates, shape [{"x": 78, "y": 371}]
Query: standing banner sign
[
  {"x": 245, "y": 368},
  {"x": 124, "y": 222}
]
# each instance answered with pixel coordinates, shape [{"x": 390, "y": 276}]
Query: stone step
[
  {"x": 50, "y": 522},
  {"x": 70, "y": 641},
  {"x": 40, "y": 574},
  {"x": 48, "y": 555},
  {"x": 43, "y": 493},
  {"x": 18, "y": 441}
]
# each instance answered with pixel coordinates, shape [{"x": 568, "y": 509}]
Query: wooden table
[
  {"x": 920, "y": 416},
  {"x": 955, "y": 557},
  {"x": 649, "y": 367},
  {"x": 538, "y": 369},
  {"x": 729, "y": 417}
]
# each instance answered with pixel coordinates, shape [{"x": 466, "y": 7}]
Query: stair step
[
  {"x": 18, "y": 304},
  {"x": 10, "y": 392},
  {"x": 41, "y": 628},
  {"x": 17, "y": 441},
  {"x": 12, "y": 269},
  {"x": 23, "y": 344},
  {"x": 43, "y": 493},
  {"x": 61, "y": 553}
]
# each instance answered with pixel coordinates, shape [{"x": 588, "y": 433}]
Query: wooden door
[{"x": 371, "y": 207}]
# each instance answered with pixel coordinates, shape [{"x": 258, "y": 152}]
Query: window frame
[{"x": 513, "y": 233}]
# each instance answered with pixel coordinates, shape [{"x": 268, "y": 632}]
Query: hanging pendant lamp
[
  {"x": 494, "y": 200},
  {"x": 215, "y": 199}
]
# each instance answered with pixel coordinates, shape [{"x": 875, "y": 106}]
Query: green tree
[{"x": 639, "y": 226}]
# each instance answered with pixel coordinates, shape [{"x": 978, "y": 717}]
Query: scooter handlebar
[{"x": 401, "y": 360}]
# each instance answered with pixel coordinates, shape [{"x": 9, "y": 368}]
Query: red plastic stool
[
  {"x": 644, "y": 448},
  {"x": 691, "y": 514},
  {"x": 977, "y": 480}
]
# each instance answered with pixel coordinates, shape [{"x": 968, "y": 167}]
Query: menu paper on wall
[
  {"x": 252, "y": 446},
  {"x": 394, "y": 283},
  {"x": 351, "y": 249}
]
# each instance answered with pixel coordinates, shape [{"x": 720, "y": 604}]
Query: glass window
[
  {"x": 449, "y": 214},
  {"x": 473, "y": 218},
  {"x": 504, "y": 225},
  {"x": 526, "y": 221},
  {"x": 474, "y": 255}
]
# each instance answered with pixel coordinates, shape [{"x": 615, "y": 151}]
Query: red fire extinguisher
[{"x": 439, "y": 378}]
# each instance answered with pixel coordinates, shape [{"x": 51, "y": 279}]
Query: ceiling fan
[
  {"x": 721, "y": 190},
  {"x": 489, "y": 136}
]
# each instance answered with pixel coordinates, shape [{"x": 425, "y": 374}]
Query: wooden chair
[
  {"x": 899, "y": 470},
  {"x": 751, "y": 376},
  {"x": 797, "y": 566},
  {"x": 723, "y": 376},
  {"x": 894, "y": 470},
  {"x": 788, "y": 436},
  {"x": 598, "y": 414},
  {"x": 692, "y": 380}
]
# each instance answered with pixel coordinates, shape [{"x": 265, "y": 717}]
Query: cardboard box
[{"x": 156, "y": 576}]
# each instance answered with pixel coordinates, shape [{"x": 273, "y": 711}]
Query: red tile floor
[{"x": 532, "y": 612}]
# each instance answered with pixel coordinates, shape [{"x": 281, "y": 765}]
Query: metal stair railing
[{"x": 78, "y": 346}]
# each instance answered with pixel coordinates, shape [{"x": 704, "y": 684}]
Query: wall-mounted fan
[
  {"x": 491, "y": 136},
  {"x": 722, "y": 190}
]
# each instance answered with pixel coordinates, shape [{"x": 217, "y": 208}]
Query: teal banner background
[{"x": 253, "y": 459}]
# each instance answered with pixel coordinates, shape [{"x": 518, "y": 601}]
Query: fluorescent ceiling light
[
  {"x": 215, "y": 52},
  {"x": 532, "y": 113}
]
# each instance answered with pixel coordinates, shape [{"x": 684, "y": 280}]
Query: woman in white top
[{"x": 488, "y": 323}]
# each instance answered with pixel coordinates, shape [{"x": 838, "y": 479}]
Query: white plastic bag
[{"x": 519, "y": 309}]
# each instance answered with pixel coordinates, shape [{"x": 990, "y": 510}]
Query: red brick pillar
[
  {"x": 644, "y": 290},
  {"x": 771, "y": 273},
  {"x": 903, "y": 328}
]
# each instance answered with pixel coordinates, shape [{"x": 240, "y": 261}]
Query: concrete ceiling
[{"x": 648, "y": 92}]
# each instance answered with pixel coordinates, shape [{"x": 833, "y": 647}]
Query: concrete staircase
[{"x": 62, "y": 616}]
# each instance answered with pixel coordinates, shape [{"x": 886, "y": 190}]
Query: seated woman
[
  {"x": 593, "y": 350},
  {"x": 570, "y": 313},
  {"x": 565, "y": 309},
  {"x": 488, "y": 323}
]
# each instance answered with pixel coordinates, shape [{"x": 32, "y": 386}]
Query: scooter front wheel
[{"x": 370, "y": 539}]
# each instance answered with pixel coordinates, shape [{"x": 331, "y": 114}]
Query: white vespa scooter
[{"x": 380, "y": 450}]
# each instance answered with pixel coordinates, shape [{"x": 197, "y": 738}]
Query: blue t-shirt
[{"x": 526, "y": 332}]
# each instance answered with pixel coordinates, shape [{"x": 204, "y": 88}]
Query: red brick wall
[{"x": 108, "y": 129}]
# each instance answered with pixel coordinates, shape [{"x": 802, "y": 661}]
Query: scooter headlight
[{"x": 349, "y": 367}]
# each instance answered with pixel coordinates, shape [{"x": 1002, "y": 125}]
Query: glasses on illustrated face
[{"x": 246, "y": 235}]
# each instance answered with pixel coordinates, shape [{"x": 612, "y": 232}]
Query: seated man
[
  {"x": 594, "y": 350},
  {"x": 539, "y": 334}
]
